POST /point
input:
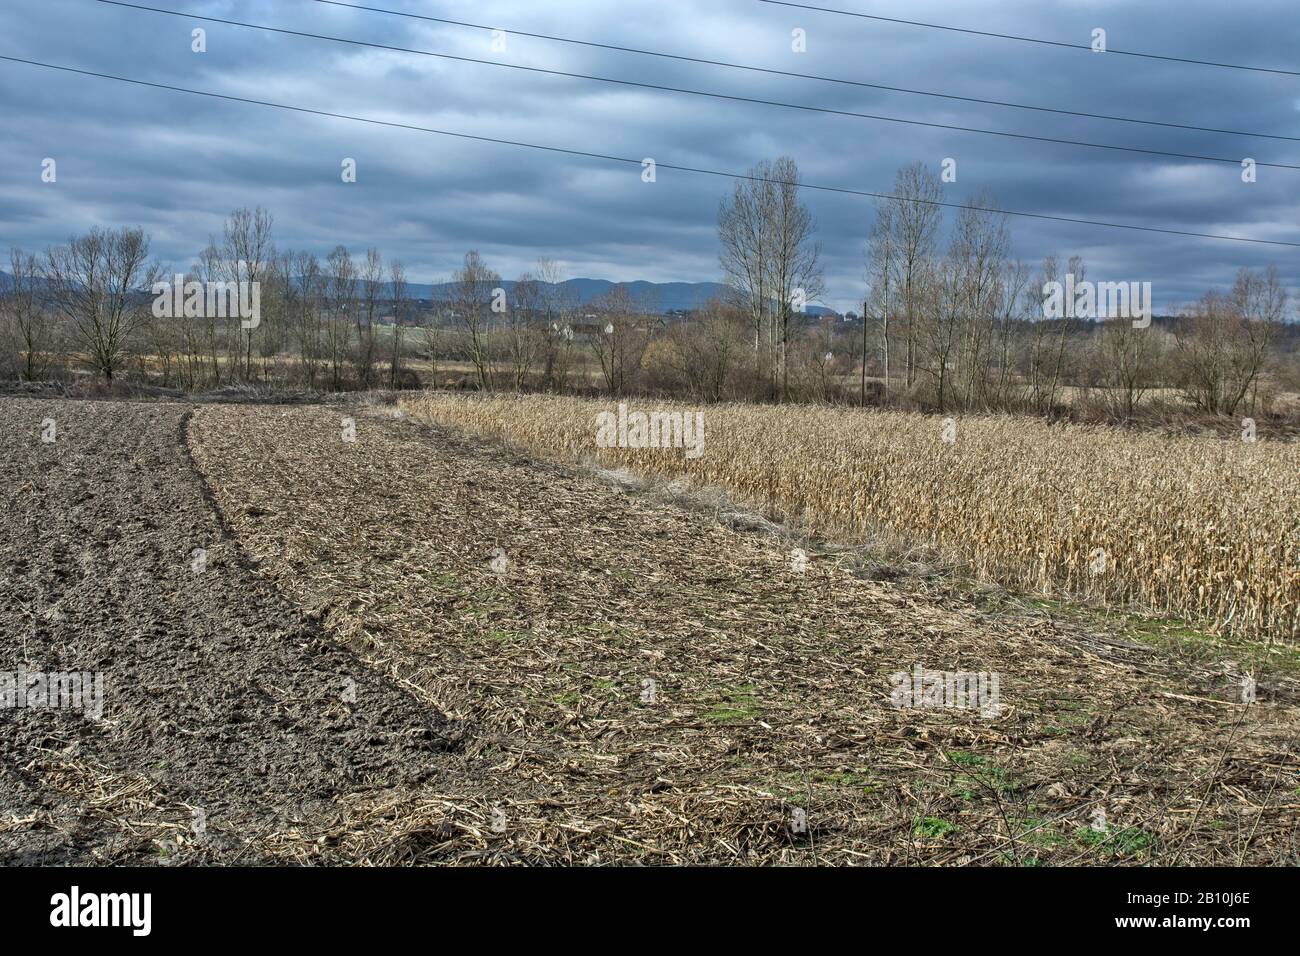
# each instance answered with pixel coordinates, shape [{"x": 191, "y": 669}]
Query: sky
[{"x": 176, "y": 164}]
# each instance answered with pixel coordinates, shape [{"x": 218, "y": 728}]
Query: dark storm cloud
[{"x": 178, "y": 164}]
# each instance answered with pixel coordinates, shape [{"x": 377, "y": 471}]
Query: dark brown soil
[{"x": 224, "y": 710}]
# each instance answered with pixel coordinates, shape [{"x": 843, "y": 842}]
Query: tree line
[{"x": 949, "y": 320}]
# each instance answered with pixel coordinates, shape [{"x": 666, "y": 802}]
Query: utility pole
[
  {"x": 884, "y": 324},
  {"x": 863, "y": 399}
]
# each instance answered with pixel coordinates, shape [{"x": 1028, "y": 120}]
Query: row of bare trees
[
  {"x": 963, "y": 326},
  {"x": 950, "y": 321},
  {"x": 89, "y": 302},
  {"x": 771, "y": 262},
  {"x": 536, "y": 336}
]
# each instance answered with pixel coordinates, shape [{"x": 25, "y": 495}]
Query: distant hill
[{"x": 651, "y": 296}]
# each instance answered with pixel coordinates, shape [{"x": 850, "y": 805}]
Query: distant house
[{"x": 587, "y": 331}]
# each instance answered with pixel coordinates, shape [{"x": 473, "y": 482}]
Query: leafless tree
[
  {"x": 522, "y": 318},
  {"x": 881, "y": 265},
  {"x": 556, "y": 326},
  {"x": 979, "y": 247},
  {"x": 911, "y": 225},
  {"x": 707, "y": 351},
  {"x": 770, "y": 258},
  {"x": 1012, "y": 304},
  {"x": 371, "y": 282},
  {"x": 938, "y": 297},
  {"x": 472, "y": 288},
  {"x": 1131, "y": 362},
  {"x": 1260, "y": 301},
  {"x": 1050, "y": 338},
  {"x": 341, "y": 299},
  {"x": 208, "y": 268},
  {"x": 397, "y": 282},
  {"x": 1222, "y": 344},
  {"x": 796, "y": 266},
  {"x": 95, "y": 281},
  {"x": 745, "y": 231},
  {"x": 621, "y": 338},
  {"x": 33, "y": 330},
  {"x": 246, "y": 255},
  {"x": 305, "y": 309}
]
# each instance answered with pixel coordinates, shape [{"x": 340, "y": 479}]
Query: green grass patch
[
  {"x": 736, "y": 705},
  {"x": 1112, "y": 842},
  {"x": 1038, "y": 831},
  {"x": 1172, "y": 636},
  {"x": 934, "y": 828},
  {"x": 498, "y": 636},
  {"x": 979, "y": 777},
  {"x": 442, "y": 581}
]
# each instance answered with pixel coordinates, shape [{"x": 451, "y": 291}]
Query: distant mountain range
[
  {"x": 650, "y": 296},
  {"x": 653, "y": 297}
]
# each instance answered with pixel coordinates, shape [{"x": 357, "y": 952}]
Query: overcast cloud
[{"x": 177, "y": 164}]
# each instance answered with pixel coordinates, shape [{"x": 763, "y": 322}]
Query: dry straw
[{"x": 1203, "y": 528}]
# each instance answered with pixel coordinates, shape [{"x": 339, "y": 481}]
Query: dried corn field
[
  {"x": 633, "y": 680},
  {"x": 1201, "y": 528},
  {"x": 342, "y": 635}
]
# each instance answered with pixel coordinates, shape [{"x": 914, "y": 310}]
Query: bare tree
[
  {"x": 305, "y": 311},
  {"x": 526, "y": 312},
  {"x": 193, "y": 342},
  {"x": 1260, "y": 303},
  {"x": 979, "y": 247},
  {"x": 472, "y": 288},
  {"x": 621, "y": 339},
  {"x": 1222, "y": 344},
  {"x": 247, "y": 253},
  {"x": 1011, "y": 304},
  {"x": 880, "y": 275},
  {"x": 795, "y": 261},
  {"x": 341, "y": 299},
  {"x": 912, "y": 226},
  {"x": 95, "y": 281},
  {"x": 397, "y": 281},
  {"x": 707, "y": 351},
  {"x": 745, "y": 222},
  {"x": 770, "y": 258},
  {"x": 1050, "y": 338},
  {"x": 208, "y": 268},
  {"x": 557, "y": 336},
  {"x": 940, "y": 294},
  {"x": 33, "y": 330},
  {"x": 1131, "y": 360},
  {"x": 372, "y": 287}
]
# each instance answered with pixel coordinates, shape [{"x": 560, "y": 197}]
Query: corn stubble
[{"x": 1202, "y": 528}]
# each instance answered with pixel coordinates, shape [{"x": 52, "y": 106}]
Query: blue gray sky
[{"x": 177, "y": 164}]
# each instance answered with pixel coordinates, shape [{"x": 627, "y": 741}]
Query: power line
[
  {"x": 843, "y": 190},
  {"x": 1234, "y": 161},
  {"x": 1025, "y": 39},
  {"x": 806, "y": 76}
]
